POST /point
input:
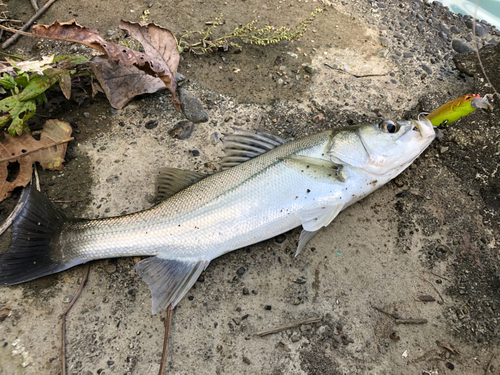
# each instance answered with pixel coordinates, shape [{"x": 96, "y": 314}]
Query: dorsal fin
[
  {"x": 243, "y": 145},
  {"x": 172, "y": 180}
]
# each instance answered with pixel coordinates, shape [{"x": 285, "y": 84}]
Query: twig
[
  {"x": 394, "y": 316},
  {"x": 28, "y": 24},
  {"x": 442, "y": 277},
  {"x": 287, "y": 326},
  {"x": 437, "y": 291},
  {"x": 63, "y": 318},
  {"x": 74, "y": 201},
  {"x": 477, "y": 50},
  {"x": 38, "y": 149},
  {"x": 166, "y": 339},
  {"x": 34, "y": 5},
  {"x": 13, "y": 215},
  {"x": 489, "y": 364},
  {"x": 16, "y": 31},
  {"x": 355, "y": 75},
  {"x": 410, "y": 321},
  {"x": 400, "y": 320},
  {"x": 37, "y": 180}
]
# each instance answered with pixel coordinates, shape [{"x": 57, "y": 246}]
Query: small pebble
[
  {"x": 86, "y": 114},
  {"x": 241, "y": 271},
  {"x": 246, "y": 291},
  {"x": 151, "y": 124},
  {"x": 68, "y": 298},
  {"x": 195, "y": 152},
  {"x": 267, "y": 307}
]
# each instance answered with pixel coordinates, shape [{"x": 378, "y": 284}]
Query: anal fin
[{"x": 168, "y": 279}]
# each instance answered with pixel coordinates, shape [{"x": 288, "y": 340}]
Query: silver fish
[{"x": 268, "y": 187}]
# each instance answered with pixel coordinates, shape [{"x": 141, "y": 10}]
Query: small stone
[
  {"x": 443, "y": 149},
  {"x": 481, "y": 30},
  {"x": 182, "y": 130},
  {"x": 421, "y": 28},
  {"x": 151, "y": 124},
  {"x": 384, "y": 42},
  {"x": 195, "y": 152},
  {"x": 68, "y": 298},
  {"x": 111, "y": 268},
  {"x": 426, "y": 69},
  {"x": 295, "y": 337},
  {"x": 280, "y": 81},
  {"x": 191, "y": 107},
  {"x": 267, "y": 307},
  {"x": 310, "y": 69},
  {"x": 246, "y": 360},
  {"x": 246, "y": 291},
  {"x": 111, "y": 363},
  {"x": 214, "y": 138},
  {"x": 280, "y": 239},
  {"x": 110, "y": 32},
  {"x": 255, "y": 292},
  {"x": 455, "y": 30},
  {"x": 86, "y": 114},
  {"x": 461, "y": 47},
  {"x": 305, "y": 327},
  {"x": 179, "y": 78},
  {"x": 407, "y": 55},
  {"x": 241, "y": 271}
]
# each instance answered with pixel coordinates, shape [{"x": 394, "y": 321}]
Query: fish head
[{"x": 385, "y": 148}]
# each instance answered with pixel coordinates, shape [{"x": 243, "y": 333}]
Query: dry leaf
[
  {"x": 160, "y": 59},
  {"x": 49, "y": 151},
  {"x": 34, "y": 66},
  {"x": 122, "y": 83}
]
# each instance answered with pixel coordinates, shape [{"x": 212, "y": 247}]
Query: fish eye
[{"x": 388, "y": 126}]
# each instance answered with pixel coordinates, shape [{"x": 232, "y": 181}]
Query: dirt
[{"x": 433, "y": 231}]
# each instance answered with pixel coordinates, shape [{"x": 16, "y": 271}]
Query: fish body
[{"x": 272, "y": 186}]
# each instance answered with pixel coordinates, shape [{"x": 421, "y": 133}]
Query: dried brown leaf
[
  {"x": 49, "y": 151},
  {"x": 160, "y": 59},
  {"x": 122, "y": 83}
]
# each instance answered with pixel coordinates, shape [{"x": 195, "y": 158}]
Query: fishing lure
[{"x": 458, "y": 108}]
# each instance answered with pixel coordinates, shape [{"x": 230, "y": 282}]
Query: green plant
[
  {"x": 27, "y": 83},
  {"x": 248, "y": 33}
]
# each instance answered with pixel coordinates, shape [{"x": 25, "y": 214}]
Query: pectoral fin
[
  {"x": 168, "y": 279},
  {"x": 318, "y": 168},
  {"x": 315, "y": 218}
]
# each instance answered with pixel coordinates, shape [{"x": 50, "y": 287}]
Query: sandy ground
[{"x": 434, "y": 231}]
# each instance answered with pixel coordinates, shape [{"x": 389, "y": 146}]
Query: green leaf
[
  {"x": 68, "y": 62},
  {"x": 23, "y": 80},
  {"x": 41, "y": 83},
  {"x": 4, "y": 120},
  {"x": 7, "y": 81}
]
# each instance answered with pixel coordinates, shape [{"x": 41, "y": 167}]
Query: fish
[
  {"x": 267, "y": 186},
  {"x": 458, "y": 108}
]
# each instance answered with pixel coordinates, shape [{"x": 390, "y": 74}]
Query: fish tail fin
[
  {"x": 169, "y": 279},
  {"x": 33, "y": 251}
]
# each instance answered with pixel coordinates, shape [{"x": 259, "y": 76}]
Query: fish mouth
[{"x": 424, "y": 127}]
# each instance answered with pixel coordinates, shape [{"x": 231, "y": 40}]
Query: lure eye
[{"x": 388, "y": 126}]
